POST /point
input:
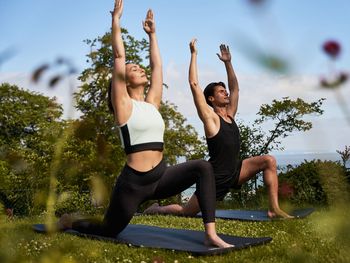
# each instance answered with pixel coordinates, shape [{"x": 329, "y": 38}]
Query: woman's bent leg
[{"x": 180, "y": 177}]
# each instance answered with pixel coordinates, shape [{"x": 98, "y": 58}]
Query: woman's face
[{"x": 135, "y": 75}]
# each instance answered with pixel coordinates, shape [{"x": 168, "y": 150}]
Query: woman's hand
[
  {"x": 118, "y": 9},
  {"x": 149, "y": 25}
]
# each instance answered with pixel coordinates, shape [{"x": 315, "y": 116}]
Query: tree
[
  {"x": 29, "y": 127},
  {"x": 25, "y": 115},
  {"x": 287, "y": 117},
  {"x": 345, "y": 155}
]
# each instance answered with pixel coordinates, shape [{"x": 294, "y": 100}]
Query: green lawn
[{"x": 322, "y": 237}]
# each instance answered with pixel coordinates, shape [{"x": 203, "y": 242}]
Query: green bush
[
  {"x": 73, "y": 201},
  {"x": 315, "y": 182}
]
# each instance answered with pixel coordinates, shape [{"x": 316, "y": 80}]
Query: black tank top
[{"x": 224, "y": 150}]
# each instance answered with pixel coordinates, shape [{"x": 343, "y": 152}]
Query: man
[{"x": 217, "y": 109}]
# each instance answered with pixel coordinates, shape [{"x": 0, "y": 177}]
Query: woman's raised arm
[
  {"x": 121, "y": 101},
  {"x": 155, "y": 92}
]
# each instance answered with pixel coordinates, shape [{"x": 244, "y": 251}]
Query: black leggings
[{"x": 133, "y": 188}]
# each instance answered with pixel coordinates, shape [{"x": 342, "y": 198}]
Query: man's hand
[
  {"x": 149, "y": 25},
  {"x": 225, "y": 53},
  {"x": 193, "y": 47}
]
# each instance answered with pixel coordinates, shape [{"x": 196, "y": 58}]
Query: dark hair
[
  {"x": 109, "y": 97},
  {"x": 209, "y": 91}
]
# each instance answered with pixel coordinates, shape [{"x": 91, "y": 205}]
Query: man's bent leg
[{"x": 266, "y": 164}]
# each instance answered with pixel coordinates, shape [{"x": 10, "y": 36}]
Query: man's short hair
[{"x": 209, "y": 91}]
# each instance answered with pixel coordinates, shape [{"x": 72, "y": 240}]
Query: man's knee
[{"x": 269, "y": 161}]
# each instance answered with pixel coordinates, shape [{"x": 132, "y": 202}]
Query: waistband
[{"x": 142, "y": 178}]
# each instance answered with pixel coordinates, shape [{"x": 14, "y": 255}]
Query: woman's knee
[{"x": 204, "y": 167}]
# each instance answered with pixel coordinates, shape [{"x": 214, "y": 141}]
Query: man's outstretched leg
[{"x": 191, "y": 208}]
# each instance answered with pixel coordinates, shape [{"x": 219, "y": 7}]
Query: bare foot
[
  {"x": 278, "y": 213},
  {"x": 65, "y": 222},
  {"x": 153, "y": 209},
  {"x": 9, "y": 213},
  {"x": 216, "y": 241}
]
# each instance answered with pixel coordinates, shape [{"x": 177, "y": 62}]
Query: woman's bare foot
[
  {"x": 216, "y": 241},
  {"x": 153, "y": 209},
  {"x": 278, "y": 213}
]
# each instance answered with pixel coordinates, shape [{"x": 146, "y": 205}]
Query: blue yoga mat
[
  {"x": 168, "y": 238},
  {"x": 257, "y": 215}
]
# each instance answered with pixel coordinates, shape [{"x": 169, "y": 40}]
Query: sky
[{"x": 36, "y": 32}]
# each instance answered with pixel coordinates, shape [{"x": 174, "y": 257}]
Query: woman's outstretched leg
[{"x": 124, "y": 202}]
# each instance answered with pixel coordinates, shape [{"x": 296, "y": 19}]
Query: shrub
[
  {"x": 73, "y": 201},
  {"x": 314, "y": 182}
]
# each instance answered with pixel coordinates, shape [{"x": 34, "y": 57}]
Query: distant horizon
[
  {"x": 298, "y": 158},
  {"x": 304, "y": 152}
]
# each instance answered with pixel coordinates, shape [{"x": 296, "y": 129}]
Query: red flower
[
  {"x": 332, "y": 48},
  {"x": 286, "y": 190}
]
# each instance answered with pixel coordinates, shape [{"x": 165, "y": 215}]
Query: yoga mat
[
  {"x": 257, "y": 215},
  {"x": 168, "y": 238}
]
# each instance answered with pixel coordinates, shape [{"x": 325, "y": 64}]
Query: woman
[{"x": 145, "y": 175}]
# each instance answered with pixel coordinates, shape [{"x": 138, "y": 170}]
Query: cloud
[{"x": 329, "y": 133}]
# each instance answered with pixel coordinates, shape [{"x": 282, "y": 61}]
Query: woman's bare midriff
[{"x": 145, "y": 160}]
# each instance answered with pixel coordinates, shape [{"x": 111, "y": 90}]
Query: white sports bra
[{"x": 144, "y": 130}]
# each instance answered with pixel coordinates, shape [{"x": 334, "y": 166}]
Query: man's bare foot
[
  {"x": 65, "y": 222},
  {"x": 278, "y": 213},
  {"x": 216, "y": 241},
  {"x": 153, "y": 209}
]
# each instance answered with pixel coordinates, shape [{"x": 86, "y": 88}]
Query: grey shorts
[{"x": 223, "y": 189}]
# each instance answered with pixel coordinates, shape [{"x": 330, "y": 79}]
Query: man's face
[{"x": 220, "y": 97}]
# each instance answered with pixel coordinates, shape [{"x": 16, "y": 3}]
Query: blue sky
[
  {"x": 40, "y": 30},
  {"x": 35, "y": 32}
]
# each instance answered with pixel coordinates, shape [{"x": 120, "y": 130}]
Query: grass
[{"x": 322, "y": 237}]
